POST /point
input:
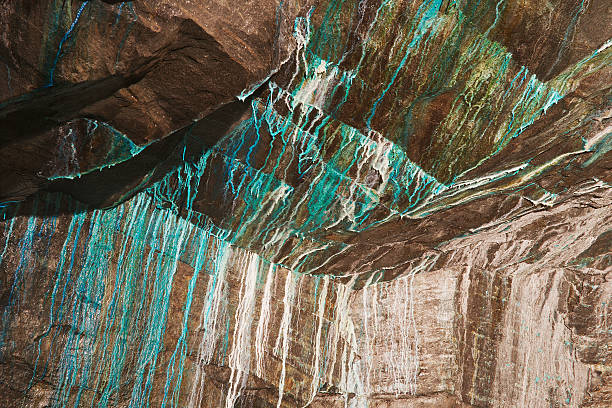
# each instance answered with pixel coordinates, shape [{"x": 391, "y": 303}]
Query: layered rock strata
[{"x": 285, "y": 203}]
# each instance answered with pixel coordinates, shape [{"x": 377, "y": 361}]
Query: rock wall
[{"x": 386, "y": 203}]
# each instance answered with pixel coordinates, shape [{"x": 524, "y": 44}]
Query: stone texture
[{"x": 382, "y": 203}]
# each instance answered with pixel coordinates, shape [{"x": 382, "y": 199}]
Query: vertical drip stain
[
  {"x": 63, "y": 41},
  {"x": 300, "y": 169},
  {"x": 261, "y": 334},
  {"x": 107, "y": 338},
  {"x": 181, "y": 346},
  {"x": 110, "y": 299},
  {"x": 240, "y": 357},
  {"x": 25, "y": 249},
  {"x": 282, "y": 346},
  {"x": 316, "y": 370}
]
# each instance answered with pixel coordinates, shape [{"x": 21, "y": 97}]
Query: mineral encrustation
[{"x": 290, "y": 203}]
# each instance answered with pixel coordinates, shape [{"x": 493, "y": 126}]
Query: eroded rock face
[
  {"x": 146, "y": 69},
  {"x": 288, "y": 203}
]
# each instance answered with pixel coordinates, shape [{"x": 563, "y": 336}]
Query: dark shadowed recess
[{"x": 113, "y": 185}]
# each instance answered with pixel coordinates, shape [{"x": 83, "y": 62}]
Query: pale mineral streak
[{"x": 305, "y": 203}]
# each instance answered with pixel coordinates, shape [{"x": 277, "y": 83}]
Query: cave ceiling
[{"x": 358, "y": 140}]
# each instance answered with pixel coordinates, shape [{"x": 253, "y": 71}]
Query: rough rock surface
[{"x": 384, "y": 203}]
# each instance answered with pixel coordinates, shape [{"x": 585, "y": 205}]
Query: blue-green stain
[{"x": 65, "y": 38}]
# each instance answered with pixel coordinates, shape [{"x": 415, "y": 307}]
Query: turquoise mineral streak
[
  {"x": 25, "y": 259},
  {"x": 118, "y": 149},
  {"x": 133, "y": 20},
  {"x": 427, "y": 12},
  {"x": 8, "y": 230},
  {"x": 63, "y": 277},
  {"x": 603, "y": 146},
  {"x": 65, "y": 38},
  {"x": 112, "y": 288},
  {"x": 180, "y": 350},
  {"x": 297, "y": 171}
]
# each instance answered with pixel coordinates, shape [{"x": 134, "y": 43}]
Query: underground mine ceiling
[{"x": 306, "y": 203}]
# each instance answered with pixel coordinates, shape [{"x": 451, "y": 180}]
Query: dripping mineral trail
[{"x": 402, "y": 148}]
